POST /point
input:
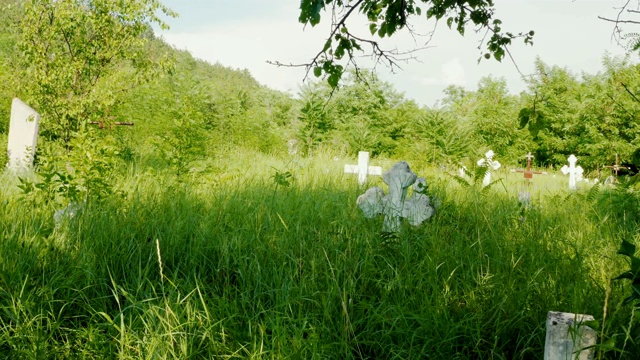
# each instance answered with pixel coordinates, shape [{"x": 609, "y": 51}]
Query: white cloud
[
  {"x": 568, "y": 34},
  {"x": 453, "y": 73},
  {"x": 250, "y": 44},
  {"x": 427, "y": 80}
]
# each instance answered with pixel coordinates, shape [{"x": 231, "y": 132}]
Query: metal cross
[
  {"x": 528, "y": 173},
  {"x": 616, "y": 166}
]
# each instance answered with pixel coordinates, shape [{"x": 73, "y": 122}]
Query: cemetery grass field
[{"x": 270, "y": 258}]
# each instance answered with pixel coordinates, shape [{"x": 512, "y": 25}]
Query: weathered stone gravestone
[
  {"x": 292, "y": 146},
  {"x": 524, "y": 198},
  {"x": 574, "y": 172},
  {"x": 23, "y": 135},
  {"x": 68, "y": 213},
  {"x": 395, "y": 205},
  {"x": 490, "y": 164},
  {"x": 363, "y": 169},
  {"x": 567, "y": 336}
]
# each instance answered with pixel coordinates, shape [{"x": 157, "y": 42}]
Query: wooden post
[{"x": 117, "y": 123}]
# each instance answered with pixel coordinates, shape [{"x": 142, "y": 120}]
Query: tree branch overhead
[{"x": 386, "y": 18}]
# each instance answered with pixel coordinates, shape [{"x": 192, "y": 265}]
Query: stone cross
[
  {"x": 395, "y": 205},
  {"x": 23, "y": 135},
  {"x": 567, "y": 336},
  {"x": 490, "y": 164},
  {"x": 363, "y": 169},
  {"x": 575, "y": 172}
]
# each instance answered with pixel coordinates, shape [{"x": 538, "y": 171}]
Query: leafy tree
[
  {"x": 316, "y": 124},
  {"x": 365, "y": 114},
  {"x": 385, "y": 18},
  {"x": 488, "y": 114},
  {"x": 492, "y": 119},
  {"x": 10, "y": 12},
  {"x": 594, "y": 117},
  {"x": 609, "y": 113},
  {"x": 199, "y": 109},
  {"x": 552, "y": 111},
  {"x": 437, "y": 135},
  {"x": 77, "y": 56}
]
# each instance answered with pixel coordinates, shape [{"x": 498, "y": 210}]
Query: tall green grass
[{"x": 230, "y": 264}]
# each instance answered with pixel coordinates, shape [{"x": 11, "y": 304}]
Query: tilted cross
[
  {"x": 574, "y": 172},
  {"x": 363, "y": 169}
]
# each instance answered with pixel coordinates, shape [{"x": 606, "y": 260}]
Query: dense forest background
[{"x": 187, "y": 110}]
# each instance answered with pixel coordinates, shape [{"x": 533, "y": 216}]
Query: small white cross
[
  {"x": 575, "y": 172},
  {"x": 363, "y": 169}
]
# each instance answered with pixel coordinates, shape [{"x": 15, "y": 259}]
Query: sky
[{"x": 245, "y": 34}]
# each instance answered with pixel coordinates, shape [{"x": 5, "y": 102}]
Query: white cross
[
  {"x": 490, "y": 164},
  {"x": 363, "y": 169},
  {"x": 575, "y": 172}
]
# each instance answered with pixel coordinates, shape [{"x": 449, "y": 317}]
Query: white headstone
[
  {"x": 363, "y": 169},
  {"x": 292, "y": 146},
  {"x": 70, "y": 212},
  {"x": 567, "y": 336},
  {"x": 524, "y": 198},
  {"x": 574, "y": 172},
  {"x": 395, "y": 206},
  {"x": 23, "y": 135},
  {"x": 490, "y": 164}
]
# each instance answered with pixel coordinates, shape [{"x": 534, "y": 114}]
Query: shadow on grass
[{"x": 260, "y": 271}]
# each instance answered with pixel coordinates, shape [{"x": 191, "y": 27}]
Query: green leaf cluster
[
  {"x": 76, "y": 56},
  {"x": 592, "y": 116},
  {"x": 368, "y": 114}
]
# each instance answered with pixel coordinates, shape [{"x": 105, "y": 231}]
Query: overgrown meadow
[
  {"x": 222, "y": 225},
  {"x": 275, "y": 260}
]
